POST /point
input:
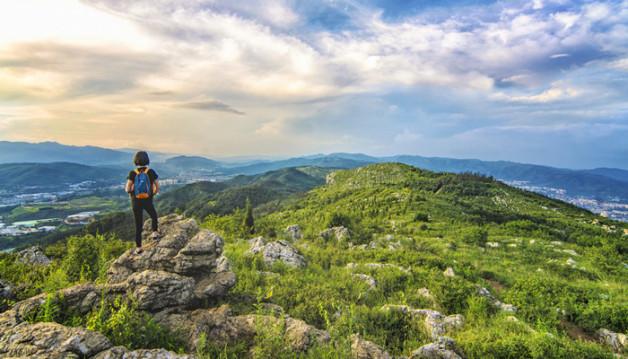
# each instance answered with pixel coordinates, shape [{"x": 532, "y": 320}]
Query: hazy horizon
[{"x": 542, "y": 82}]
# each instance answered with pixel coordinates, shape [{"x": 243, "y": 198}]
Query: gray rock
[
  {"x": 617, "y": 341},
  {"x": 277, "y": 251},
  {"x": 435, "y": 323},
  {"x": 294, "y": 232},
  {"x": 339, "y": 233},
  {"x": 496, "y": 302},
  {"x": 50, "y": 340},
  {"x": 364, "y": 349},
  {"x": 300, "y": 336},
  {"x": 6, "y": 290},
  {"x": 449, "y": 272},
  {"x": 425, "y": 293},
  {"x": 124, "y": 353},
  {"x": 442, "y": 348},
  {"x": 370, "y": 281},
  {"x": 33, "y": 255},
  {"x": 215, "y": 285},
  {"x": 199, "y": 254},
  {"x": 155, "y": 290},
  {"x": 225, "y": 329}
]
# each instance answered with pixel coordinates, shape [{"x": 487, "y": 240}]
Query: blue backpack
[{"x": 142, "y": 186}]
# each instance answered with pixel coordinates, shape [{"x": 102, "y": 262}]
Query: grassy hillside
[
  {"x": 427, "y": 240},
  {"x": 204, "y": 198},
  {"x": 561, "y": 266}
]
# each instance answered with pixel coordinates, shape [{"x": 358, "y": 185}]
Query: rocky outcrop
[
  {"x": 224, "y": 328},
  {"x": 174, "y": 279},
  {"x": 617, "y": 341},
  {"x": 124, "y": 353},
  {"x": 364, "y": 349},
  {"x": 33, "y": 255},
  {"x": 277, "y": 251},
  {"x": 294, "y": 232},
  {"x": 185, "y": 267},
  {"x": 50, "y": 340},
  {"x": 339, "y": 233},
  {"x": 437, "y": 326},
  {"x": 181, "y": 270}
]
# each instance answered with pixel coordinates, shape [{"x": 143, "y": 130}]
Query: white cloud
[
  {"x": 555, "y": 93},
  {"x": 103, "y": 60}
]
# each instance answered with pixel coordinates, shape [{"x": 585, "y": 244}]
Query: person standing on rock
[{"x": 142, "y": 185}]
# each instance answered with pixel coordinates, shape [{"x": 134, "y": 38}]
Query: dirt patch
[
  {"x": 497, "y": 286},
  {"x": 575, "y": 332}
]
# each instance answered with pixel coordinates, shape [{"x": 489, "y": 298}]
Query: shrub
[
  {"x": 336, "y": 219},
  {"x": 476, "y": 236},
  {"x": 124, "y": 325}
]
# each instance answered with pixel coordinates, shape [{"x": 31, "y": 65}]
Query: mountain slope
[
  {"x": 517, "y": 265},
  {"x": 45, "y": 152},
  {"x": 203, "y": 198},
  {"x": 314, "y": 161},
  {"x": 603, "y": 185},
  {"x": 15, "y": 175}
]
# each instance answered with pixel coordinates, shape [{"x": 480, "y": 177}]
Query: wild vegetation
[{"x": 428, "y": 240}]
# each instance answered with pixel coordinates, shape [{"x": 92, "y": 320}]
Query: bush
[
  {"x": 124, "y": 325},
  {"x": 337, "y": 219},
  {"x": 452, "y": 293},
  {"x": 476, "y": 236}
]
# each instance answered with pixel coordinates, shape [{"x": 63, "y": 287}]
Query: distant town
[{"x": 613, "y": 210}]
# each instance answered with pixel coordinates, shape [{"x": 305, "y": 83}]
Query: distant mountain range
[
  {"x": 605, "y": 184},
  {"x": 52, "y": 175}
]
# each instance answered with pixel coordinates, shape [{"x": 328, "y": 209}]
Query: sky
[{"x": 542, "y": 81}]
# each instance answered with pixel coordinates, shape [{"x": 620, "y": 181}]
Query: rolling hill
[
  {"x": 52, "y": 175},
  {"x": 203, "y": 198},
  {"x": 386, "y": 259}
]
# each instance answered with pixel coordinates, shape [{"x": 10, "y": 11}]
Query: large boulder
[
  {"x": 185, "y": 266},
  {"x": 617, "y": 341},
  {"x": 33, "y": 255},
  {"x": 442, "y": 348},
  {"x": 277, "y": 251},
  {"x": 6, "y": 290},
  {"x": 156, "y": 290},
  {"x": 50, "y": 340},
  {"x": 364, "y": 349}
]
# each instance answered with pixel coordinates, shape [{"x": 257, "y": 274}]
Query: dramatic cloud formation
[{"x": 543, "y": 81}]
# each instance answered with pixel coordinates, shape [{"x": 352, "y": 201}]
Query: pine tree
[{"x": 249, "y": 221}]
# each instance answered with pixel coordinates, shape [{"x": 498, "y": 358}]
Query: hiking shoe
[{"x": 138, "y": 250}]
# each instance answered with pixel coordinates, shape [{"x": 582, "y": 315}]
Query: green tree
[{"x": 249, "y": 221}]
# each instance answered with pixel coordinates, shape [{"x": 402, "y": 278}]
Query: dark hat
[{"x": 141, "y": 158}]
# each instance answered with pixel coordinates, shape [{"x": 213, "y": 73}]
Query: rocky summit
[{"x": 174, "y": 280}]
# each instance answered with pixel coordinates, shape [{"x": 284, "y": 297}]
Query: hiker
[{"x": 142, "y": 185}]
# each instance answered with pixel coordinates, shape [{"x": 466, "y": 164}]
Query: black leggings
[{"x": 139, "y": 206}]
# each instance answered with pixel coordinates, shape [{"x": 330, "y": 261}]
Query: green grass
[{"x": 515, "y": 243}]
